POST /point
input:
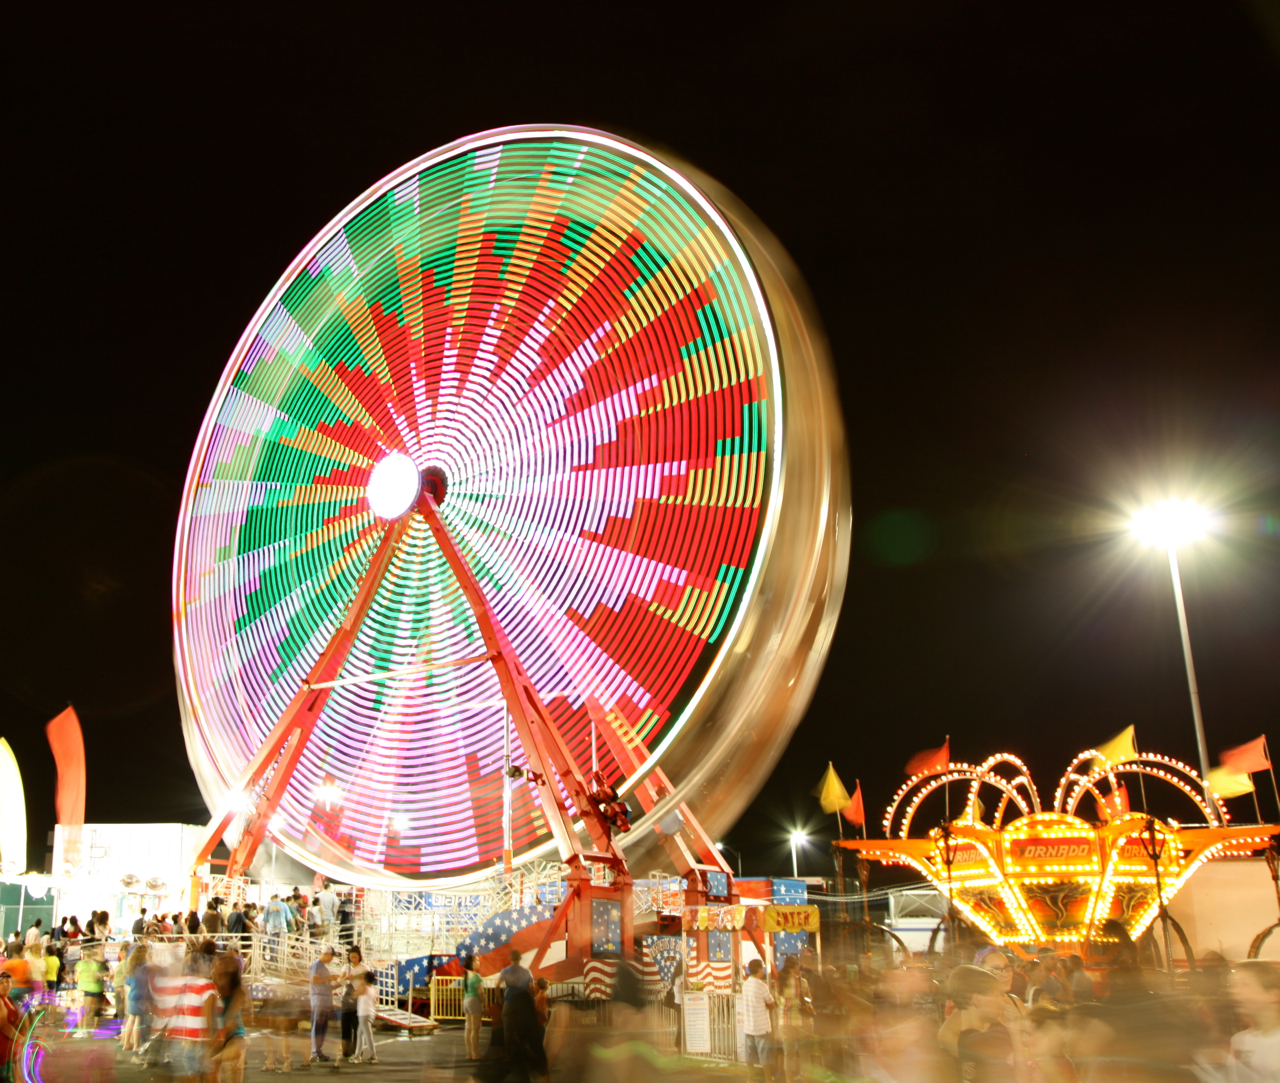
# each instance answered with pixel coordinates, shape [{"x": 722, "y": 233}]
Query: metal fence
[{"x": 446, "y": 1006}]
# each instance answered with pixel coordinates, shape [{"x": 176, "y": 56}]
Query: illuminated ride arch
[
  {"x": 518, "y": 524},
  {"x": 1050, "y": 876}
]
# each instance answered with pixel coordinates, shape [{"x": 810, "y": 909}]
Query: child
[{"x": 366, "y": 1009}]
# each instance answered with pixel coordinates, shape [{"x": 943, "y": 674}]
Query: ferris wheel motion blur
[{"x": 517, "y": 526}]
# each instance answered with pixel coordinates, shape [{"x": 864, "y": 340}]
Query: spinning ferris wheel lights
[{"x": 482, "y": 528}]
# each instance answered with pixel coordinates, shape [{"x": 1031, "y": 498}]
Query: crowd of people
[
  {"x": 1006, "y": 1019},
  {"x": 996, "y": 1017},
  {"x": 176, "y": 987},
  {"x": 988, "y": 1015}
]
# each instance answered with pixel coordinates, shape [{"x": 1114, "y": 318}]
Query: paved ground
[{"x": 435, "y": 1057}]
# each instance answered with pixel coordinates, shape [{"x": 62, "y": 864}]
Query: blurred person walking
[
  {"x": 10, "y": 1021},
  {"x": 973, "y": 1033},
  {"x": 353, "y": 983},
  {"x": 795, "y": 1019},
  {"x": 235, "y": 1009},
  {"x": 1255, "y": 988},
  {"x": 321, "y": 983},
  {"x": 276, "y": 922},
  {"x": 236, "y": 926},
  {"x": 132, "y": 974},
  {"x": 756, "y": 1002},
  {"x": 366, "y": 1012},
  {"x": 472, "y": 1006},
  {"x": 89, "y": 977},
  {"x": 515, "y": 980},
  {"x": 327, "y": 901},
  {"x": 186, "y": 1004},
  {"x": 19, "y": 970}
]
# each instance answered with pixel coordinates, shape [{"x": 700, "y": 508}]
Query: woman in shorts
[{"x": 472, "y": 1006}]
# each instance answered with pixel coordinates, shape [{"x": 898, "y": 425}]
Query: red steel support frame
[{"x": 551, "y": 764}]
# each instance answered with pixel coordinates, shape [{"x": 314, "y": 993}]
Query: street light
[
  {"x": 797, "y": 839},
  {"x": 736, "y": 853},
  {"x": 1169, "y": 524}
]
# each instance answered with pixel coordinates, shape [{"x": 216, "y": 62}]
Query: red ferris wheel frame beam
[
  {"x": 551, "y": 764},
  {"x": 275, "y": 761}
]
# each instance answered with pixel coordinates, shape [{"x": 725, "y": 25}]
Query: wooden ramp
[{"x": 398, "y": 1017}]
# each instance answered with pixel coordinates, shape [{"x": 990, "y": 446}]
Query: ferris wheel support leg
[
  {"x": 551, "y": 766},
  {"x": 691, "y": 850},
  {"x": 288, "y": 738}
]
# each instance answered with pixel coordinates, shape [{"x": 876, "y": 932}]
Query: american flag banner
[{"x": 662, "y": 953}]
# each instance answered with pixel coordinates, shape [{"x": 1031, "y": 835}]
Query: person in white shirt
[
  {"x": 34, "y": 933},
  {"x": 366, "y": 1010},
  {"x": 1255, "y": 987},
  {"x": 328, "y": 903},
  {"x": 756, "y": 1002}
]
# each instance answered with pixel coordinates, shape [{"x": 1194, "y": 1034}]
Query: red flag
[
  {"x": 932, "y": 761},
  {"x": 853, "y": 811},
  {"x": 1247, "y": 758},
  {"x": 67, "y": 743}
]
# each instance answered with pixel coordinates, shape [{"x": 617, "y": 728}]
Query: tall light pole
[
  {"x": 736, "y": 853},
  {"x": 1169, "y": 524},
  {"x": 797, "y": 838}
]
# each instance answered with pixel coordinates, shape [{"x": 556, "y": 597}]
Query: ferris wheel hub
[
  {"x": 393, "y": 486},
  {"x": 435, "y": 484}
]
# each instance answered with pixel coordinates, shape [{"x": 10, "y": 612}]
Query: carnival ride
[
  {"x": 1024, "y": 875},
  {"x": 481, "y": 553}
]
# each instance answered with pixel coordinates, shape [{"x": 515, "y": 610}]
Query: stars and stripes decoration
[
  {"x": 507, "y": 929},
  {"x": 790, "y": 891},
  {"x": 606, "y": 927}
]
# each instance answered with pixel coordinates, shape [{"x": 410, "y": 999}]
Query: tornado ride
[{"x": 518, "y": 526}]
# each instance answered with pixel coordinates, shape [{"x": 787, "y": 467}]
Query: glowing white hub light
[
  {"x": 1170, "y": 523},
  {"x": 400, "y": 823},
  {"x": 393, "y": 486}
]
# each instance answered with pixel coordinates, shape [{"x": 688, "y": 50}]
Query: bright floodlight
[
  {"x": 719, "y": 845},
  {"x": 798, "y": 836},
  {"x": 1170, "y": 523},
  {"x": 393, "y": 486}
]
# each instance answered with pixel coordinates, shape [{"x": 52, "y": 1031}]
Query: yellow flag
[
  {"x": 831, "y": 792},
  {"x": 1120, "y": 748},
  {"x": 1228, "y": 783}
]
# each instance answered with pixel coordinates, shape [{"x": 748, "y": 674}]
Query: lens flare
[{"x": 1171, "y": 523}]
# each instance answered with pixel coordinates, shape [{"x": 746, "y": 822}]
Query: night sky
[{"x": 1044, "y": 240}]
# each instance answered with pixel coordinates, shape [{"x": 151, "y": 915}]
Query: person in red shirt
[{"x": 10, "y": 1018}]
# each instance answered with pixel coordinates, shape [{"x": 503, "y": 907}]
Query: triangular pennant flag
[
  {"x": 853, "y": 811},
  {"x": 932, "y": 761},
  {"x": 1120, "y": 749},
  {"x": 1247, "y": 758},
  {"x": 1228, "y": 783},
  {"x": 830, "y": 791}
]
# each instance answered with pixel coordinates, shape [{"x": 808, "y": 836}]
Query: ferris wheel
[{"x": 519, "y": 520}]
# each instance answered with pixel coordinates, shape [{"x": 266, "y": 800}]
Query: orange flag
[
  {"x": 67, "y": 743},
  {"x": 932, "y": 761},
  {"x": 1247, "y": 758},
  {"x": 853, "y": 811}
]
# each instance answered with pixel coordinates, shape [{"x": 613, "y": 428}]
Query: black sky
[{"x": 1044, "y": 239}]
